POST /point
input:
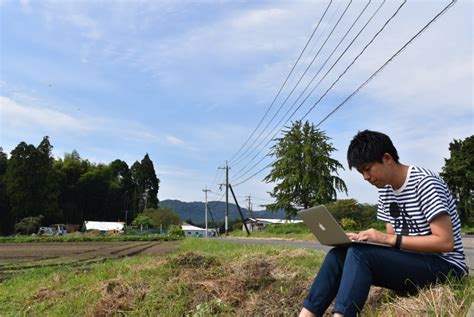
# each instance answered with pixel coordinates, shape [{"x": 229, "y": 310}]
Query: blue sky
[{"x": 188, "y": 81}]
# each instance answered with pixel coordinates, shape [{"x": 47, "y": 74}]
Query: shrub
[
  {"x": 29, "y": 225},
  {"x": 348, "y": 223},
  {"x": 175, "y": 231}
]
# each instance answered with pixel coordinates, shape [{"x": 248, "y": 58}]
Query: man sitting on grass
[{"x": 422, "y": 228}]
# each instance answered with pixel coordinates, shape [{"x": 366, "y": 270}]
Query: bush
[
  {"x": 29, "y": 225},
  {"x": 348, "y": 223},
  {"x": 175, "y": 231}
]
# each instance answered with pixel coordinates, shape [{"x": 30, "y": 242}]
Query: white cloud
[
  {"x": 257, "y": 18},
  {"x": 15, "y": 115},
  {"x": 86, "y": 24},
  {"x": 174, "y": 140},
  {"x": 19, "y": 118}
]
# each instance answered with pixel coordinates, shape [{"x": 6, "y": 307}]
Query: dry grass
[
  {"x": 436, "y": 300},
  {"x": 250, "y": 287},
  {"x": 261, "y": 286},
  {"x": 118, "y": 297}
]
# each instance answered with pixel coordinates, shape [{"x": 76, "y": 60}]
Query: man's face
[{"x": 375, "y": 173}]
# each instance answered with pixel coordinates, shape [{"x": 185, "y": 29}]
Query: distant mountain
[{"x": 195, "y": 211}]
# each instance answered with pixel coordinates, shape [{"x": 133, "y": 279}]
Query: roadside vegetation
[
  {"x": 174, "y": 233},
  {"x": 204, "y": 278},
  {"x": 290, "y": 231}
]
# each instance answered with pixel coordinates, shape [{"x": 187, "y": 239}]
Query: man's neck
[{"x": 400, "y": 175}]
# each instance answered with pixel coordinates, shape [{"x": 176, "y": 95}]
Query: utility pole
[
  {"x": 249, "y": 199},
  {"x": 205, "y": 209},
  {"x": 226, "y": 223}
]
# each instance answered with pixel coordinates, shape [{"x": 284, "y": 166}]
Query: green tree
[
  {"x": 31, "y": 182},
  {"x": 150, "y": 182},
  {"x": 7, "y": 222},
  {"x": 122, "y": 189},
  {"x": 49, "y": 182},
  {"x": 304, "y": 171},
  {"x": 162, "y": 217},
  {"x": 458, "y": 172},
  {"x": 142, "y": 220},
  {"x": 94, "y": 193},
  {"x": 364, "y": 215},
  {"x": 70, "y": 170},
  {"x": 145, "y": 185}
]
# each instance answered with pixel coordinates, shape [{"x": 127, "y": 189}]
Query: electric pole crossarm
[{"x": 240, "y": 211}]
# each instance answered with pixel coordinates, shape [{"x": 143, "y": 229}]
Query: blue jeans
[{"x": 348, "y": 272}]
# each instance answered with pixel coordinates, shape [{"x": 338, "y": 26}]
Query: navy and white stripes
[{"x": 410, "y": 209}]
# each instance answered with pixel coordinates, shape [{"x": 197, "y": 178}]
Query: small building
[
  {"x": 193, "y": 231},
  {"x": 256, "y": 224},
  {"x": 104, "y": 226}
]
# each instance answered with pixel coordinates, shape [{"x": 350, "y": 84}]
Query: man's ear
[{"x": 387, "y": 158}]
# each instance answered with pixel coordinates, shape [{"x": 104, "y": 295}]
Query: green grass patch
[{"x": 292, "y": 231}]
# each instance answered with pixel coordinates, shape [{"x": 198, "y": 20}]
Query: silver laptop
[{"x": 326, "y": 229}]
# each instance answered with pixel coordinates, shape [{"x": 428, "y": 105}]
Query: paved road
[{"x": 468, "y": 242}]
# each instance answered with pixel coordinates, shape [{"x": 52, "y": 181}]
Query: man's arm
[
  {"x": 389, "y": 228},
  {"x": 440, "y": 240}
]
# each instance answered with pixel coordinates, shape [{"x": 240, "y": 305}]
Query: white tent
[{"x": 103, "y": 226}]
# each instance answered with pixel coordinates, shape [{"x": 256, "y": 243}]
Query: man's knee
[
  {"x": 336, "y": 255},
  {"x": 361, "y": 252},
  {"x": 369, "y": 255}
]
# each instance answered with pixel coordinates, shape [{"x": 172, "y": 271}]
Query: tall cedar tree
[
  {"x": 123, "y": 188},
  {"x": 458, "y": 172},
  {"x": 146, "y": 185},
  {"x": 304, "y": 171},
  {"x": 6, "y": 223},
  {"x": 150, "y": 182},
  {"x": 31, "y": 182}
]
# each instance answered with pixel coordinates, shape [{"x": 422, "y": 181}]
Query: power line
[
  {"x": 331, "y": 86},
  {"x": 253, "y": 175},
  {"x": 215, "y": 182},
  {"x": 445, "y": 9},
  {"x": 215, "y": 177},
  {"x": 389, "y": 60},
  {"x": 299, "y": 81},
  {"x": 277, "y": 126},
  {"x": 355, "y": 59},
  {"x": 284, "y": 83}
]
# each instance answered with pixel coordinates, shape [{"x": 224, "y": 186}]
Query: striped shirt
[{"x": 410, "y": 209}]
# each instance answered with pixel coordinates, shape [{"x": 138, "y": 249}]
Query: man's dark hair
[{"x": 368, "y": 147}]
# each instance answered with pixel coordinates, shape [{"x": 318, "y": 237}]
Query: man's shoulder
[
  {"x": 421, "y": 172},
  {"x": 420, "y": 175}
]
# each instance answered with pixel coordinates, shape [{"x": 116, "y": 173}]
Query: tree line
[{"x": 71, "y": 189}]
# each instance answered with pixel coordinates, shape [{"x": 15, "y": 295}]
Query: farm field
[
  {"x": 191, "y": 277},
  {"x": 20, "y": 256}
]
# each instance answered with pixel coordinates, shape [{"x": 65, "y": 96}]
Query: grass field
[{"x": 204, "y": 277}]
